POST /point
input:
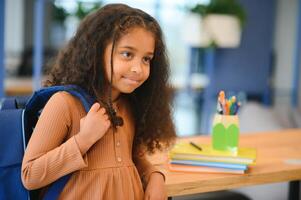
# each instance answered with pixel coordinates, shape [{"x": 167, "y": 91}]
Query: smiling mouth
[{"x": 131, "y": 81}]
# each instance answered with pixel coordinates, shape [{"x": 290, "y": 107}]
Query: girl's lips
[{"x": 131, "y": 80}]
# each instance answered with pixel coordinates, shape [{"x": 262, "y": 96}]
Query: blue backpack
[{"x": 18, "y": 117}]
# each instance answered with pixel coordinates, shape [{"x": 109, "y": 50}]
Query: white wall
[
  {"x": 14, "y": 34},
  {"x": 284, "y": 44},
  {"x": 14, "y": 26}
]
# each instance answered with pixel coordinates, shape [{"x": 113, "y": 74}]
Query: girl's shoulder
[
  {"x": 62, "y": 97},
  {"x": 65, "y": 100}
]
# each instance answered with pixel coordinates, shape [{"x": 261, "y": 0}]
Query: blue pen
[
  {"x": 233, "y": 108},
  {"x": 232, "y": 105},
  {"x": 236, "y": 108}
]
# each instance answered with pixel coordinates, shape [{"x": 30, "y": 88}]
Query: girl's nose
[{"x": 136, "y": 67}]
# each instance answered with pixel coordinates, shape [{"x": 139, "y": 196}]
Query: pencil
[{"x": 196, "y": 146}]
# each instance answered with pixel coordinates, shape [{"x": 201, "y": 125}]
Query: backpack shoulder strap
[{"x": 40, "y": 97}]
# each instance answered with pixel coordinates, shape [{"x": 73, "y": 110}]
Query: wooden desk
[
  {"x": 18, "y": 86},
  {"x": 278, "y": 160}
]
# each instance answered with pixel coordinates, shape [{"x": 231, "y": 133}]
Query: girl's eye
[
  {"x": 126, "y": 54},
  {"x": 147, "y": 60}
]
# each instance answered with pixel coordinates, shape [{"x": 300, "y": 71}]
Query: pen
[
  {"x": 221, "y": 99},
  {"x": 196, "y": 146},
  {"x": 233, "y": 108},
  {"x": 237, "y": 107},
  {"x": 219, "y": 107}
]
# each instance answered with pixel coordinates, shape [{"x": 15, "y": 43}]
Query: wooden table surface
[
  {"x": 18, "y": 86},
  {"x": 278, "y": 160}
]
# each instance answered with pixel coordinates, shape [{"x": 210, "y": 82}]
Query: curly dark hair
[{"x": 81, "y": 63}]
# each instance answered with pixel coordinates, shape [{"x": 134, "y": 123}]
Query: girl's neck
[
  {"x": 115, "y": 95},
  {"x": 116, "y": 100}
]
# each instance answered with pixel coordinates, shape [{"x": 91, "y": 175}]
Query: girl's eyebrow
[{"x": 134, "y": 49}]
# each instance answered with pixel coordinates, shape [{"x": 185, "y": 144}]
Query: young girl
[{"x": 118, "y": 56}]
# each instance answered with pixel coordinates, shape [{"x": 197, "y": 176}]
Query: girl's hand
[
  {"x": 94, "y": 125},
  {"x": 155, "y": 189}
]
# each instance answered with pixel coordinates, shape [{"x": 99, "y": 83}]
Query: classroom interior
[{"x": 259, "y": 62}]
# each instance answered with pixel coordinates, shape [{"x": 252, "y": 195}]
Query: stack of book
[{"x": 194, "y": 157}]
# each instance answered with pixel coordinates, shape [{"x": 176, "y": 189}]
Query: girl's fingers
[
  {"x": 108, "y": 123},
  {"x": 102, "y": 110},
  {"x": 83, "y": 119},
  {"x": 94, "y": 107},
  {"x": 106, "y": 117}
]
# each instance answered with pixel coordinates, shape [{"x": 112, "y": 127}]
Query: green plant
[
  {"x": 59, "y": 14},
  {"x": 229, "y": 7},
  {"x": 82, "y": 11}
]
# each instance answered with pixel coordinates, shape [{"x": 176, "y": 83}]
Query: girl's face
[{"x": 131, "y": 60}]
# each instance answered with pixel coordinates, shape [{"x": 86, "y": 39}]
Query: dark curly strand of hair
[
  {"x": 81, "y": 63},
  {"x": 116, "y": 120}
]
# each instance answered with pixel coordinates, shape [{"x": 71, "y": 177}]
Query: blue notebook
[{"x": 210, "y": 164}]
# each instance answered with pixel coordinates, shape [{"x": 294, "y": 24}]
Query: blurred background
[{"x": 248, "y": 48}]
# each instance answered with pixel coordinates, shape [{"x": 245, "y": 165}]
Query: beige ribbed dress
[{"x": 105, "y": 171}]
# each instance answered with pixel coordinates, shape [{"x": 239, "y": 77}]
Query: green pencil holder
[{"x": 225, "y": 133}]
